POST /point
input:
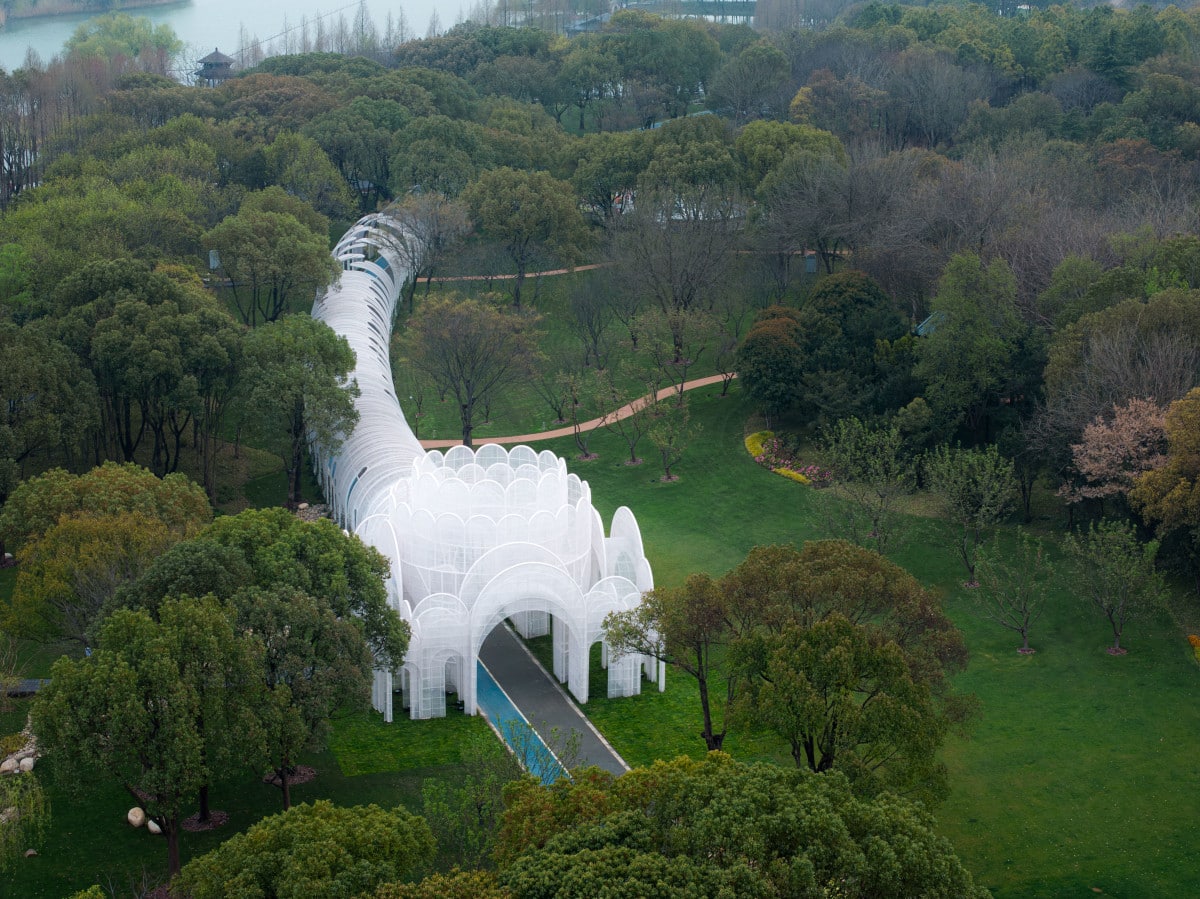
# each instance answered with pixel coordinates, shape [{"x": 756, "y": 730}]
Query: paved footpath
[
  {"x": 624, "y": 412},
  {"x": 545, "y": 705}
]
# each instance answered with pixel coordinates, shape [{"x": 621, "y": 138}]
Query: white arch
[{"x": 473, "y": 536}]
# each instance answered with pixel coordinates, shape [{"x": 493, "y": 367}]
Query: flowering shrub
[
  {"x": 754, "y": 443},
  {"x": 1195, "y": 641},
  {"x": 792, "y": 475},
  {"x": 817, "y": 476},
  {"x": 771, "y": 452},
  {"x": 774, "y": 454}
]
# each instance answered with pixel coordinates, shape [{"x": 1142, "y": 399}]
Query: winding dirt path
[{"x": 624, "y": 412}]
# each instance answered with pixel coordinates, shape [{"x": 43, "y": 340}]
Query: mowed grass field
[{"x": 1081, "y": 774}]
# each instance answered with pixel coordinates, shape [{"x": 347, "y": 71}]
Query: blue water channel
[{"x": 530, "y": 749}]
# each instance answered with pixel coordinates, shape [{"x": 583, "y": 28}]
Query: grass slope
[{"x": 1080, "y": 775}]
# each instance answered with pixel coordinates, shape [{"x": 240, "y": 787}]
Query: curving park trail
[{"x": 477, "y": 538}]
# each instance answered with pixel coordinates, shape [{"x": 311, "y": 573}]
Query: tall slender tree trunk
[{"x": 170, "y": 827}]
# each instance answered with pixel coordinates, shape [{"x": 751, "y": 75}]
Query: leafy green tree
[
  {"x": 872, "y": 473},
  {"x": 316, "y": 558},
  {"x": 762, "y": 145},
  {"x": 694, "y": 627},
  {"x": 273, "y": 260},
  {"x": 1117, "y": 573},
  {"x": 299, "y": 165},
  {"x": 109, "y": 489},
  {"x": 770, "y": 360},
  {"x": 470, "y": 351},
  {"x": 315, "y": 663},
  {"x": 49, "y": 402},
  {"x": 317, "y": 600},
  {"x": 455, "y": 885},
  {"x": 320, "y": 851},
  {"x": 130, "y": 711},
  {"x": 686, "y": 627},
  {"x": 107, "y": 37},
  {"x": 528, "y": 212},
  {"x": 607, "y": 171},
  {"x": 1012, "y": 586},
  {"x": 70, "y": 575},
  {"x": 844, "y": 696},
  {"x": 296, "y": 386},
  {"x": 976, "y": 490},
  {"x": 1169, "y": 495},
  {"x": 654, "y": 832},
  {"x": 966, "y": 361}
]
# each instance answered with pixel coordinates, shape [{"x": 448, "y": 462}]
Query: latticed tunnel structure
[{"x": 474, "y": 536}]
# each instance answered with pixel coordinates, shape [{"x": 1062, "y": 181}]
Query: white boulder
[
  {"x": 153, "y": 827},
  {"x": 8, "y": 766},
  {"x": 136, "y": 817},
  {"x": 27, "y": 764}
]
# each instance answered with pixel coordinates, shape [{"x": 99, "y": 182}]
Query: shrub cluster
[{"x": 772, "y": 452}]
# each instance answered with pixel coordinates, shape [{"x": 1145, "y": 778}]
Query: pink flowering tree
[{"x": 1116, "y": 452}]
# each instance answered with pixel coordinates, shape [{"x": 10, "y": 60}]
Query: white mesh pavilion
[{"x": 473, "y": 536}]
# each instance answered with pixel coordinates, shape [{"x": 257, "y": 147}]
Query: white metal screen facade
[{"x": 474, "y": 536}]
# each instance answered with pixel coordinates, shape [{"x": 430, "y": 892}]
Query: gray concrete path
[{"x": 542, "y": 701}]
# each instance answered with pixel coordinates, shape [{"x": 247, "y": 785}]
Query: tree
[
  {"x": 636, "y": 404},
  {"x": 528, "y": 212},
  {"x": 315, "y": 662},
  {"x": 975, "y": 488},
  {"x": 273, "y": 262},
  {"x": 109, "y": 489},
  {"x": 296, "y": 386},
  {"x": 674, "y": 251},
  {"x": 844, "y": 696},
  {"x": 316, "y": 558},
  {"x": 694, "y": 626},
  {"x": 49, "y": 402},
  {"x": 314, "y": 596},
  {"x": 686, "y": 627},
  {"x": 318, "y": 850},
  {"x": 769, "y": 361},
  {"x": 779, "y": 832},
  {"x": 129, "y": 712},
  {"x": 967, "y": 360},
  {"x": 470, "y": 351},
  {"x": 1169, "y": 494},
  {"x": 70, "y": 574},
  {"x": 1116, "y": 572},
  {"x": 872, "y": 474},
  {"x": 1012, "y": 586},
  {"x": 753, "y": 84},
  {"x": 669, "y": 429},
  {"x": 1115, "y": 453},
  {"x": 119, "y": 36},
  {"x": 430, "y": 226}
]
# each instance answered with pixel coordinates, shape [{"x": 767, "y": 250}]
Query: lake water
[{"x": 205, "y": 24}]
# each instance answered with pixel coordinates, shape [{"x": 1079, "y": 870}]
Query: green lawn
[
  {"x": 90, "y": 842},
  {"x": 1081, "y": 773}
]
